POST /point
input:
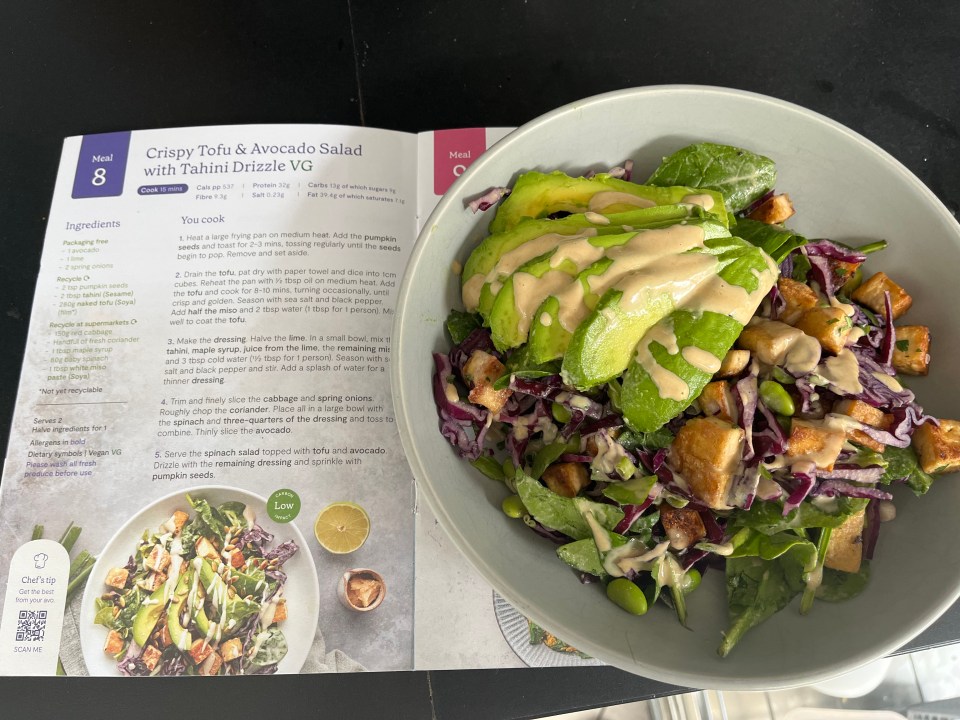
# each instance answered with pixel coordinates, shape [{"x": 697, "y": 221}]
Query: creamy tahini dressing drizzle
[
  {"x": 703, "y": 200},
  {"x": 670, "y": 386},
  {"x": 888, "y": 381},
  {"x": 530, "y": 291},
  {"x": 605, "y": 199},
  {"x": 843, "y": 371},
  {"x": 701, "y": 359}
]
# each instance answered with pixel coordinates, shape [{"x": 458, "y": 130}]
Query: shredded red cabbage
[{"x": 488, "y": 199}]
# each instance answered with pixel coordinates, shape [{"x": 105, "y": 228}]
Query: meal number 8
[{"x": 99, "y": 177}]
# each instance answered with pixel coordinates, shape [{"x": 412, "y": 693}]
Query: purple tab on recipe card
[{"x": 101, "y": 165}]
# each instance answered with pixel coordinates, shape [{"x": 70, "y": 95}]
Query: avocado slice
[
  {"x": 148, "y": 615},
  {"x": 179, "y": 635},
  {"x": 548, "y": 338},
  {"x": 647, "y": 402},
  {"x": 644, "y": 408},
  {"x": 555, "y": 270},
  {"x": 537, "y": 195}
]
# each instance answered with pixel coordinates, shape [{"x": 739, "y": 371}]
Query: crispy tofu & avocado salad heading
[{"x": 669, "y": 380}]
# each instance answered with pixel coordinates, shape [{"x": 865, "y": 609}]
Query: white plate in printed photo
[{"x": 301, "y": 588}]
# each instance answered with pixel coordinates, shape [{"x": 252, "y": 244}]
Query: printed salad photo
[
  {"x": 671, "y": 382},
  {"x": 202, "y": 594}
]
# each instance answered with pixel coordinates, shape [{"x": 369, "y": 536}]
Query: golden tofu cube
[
  {"x": 280, "y": 614},
  {"x": 200, "y": 650},
  {"x": 774, "y": 210},
  {"x": 163, "y": 636},
  {"x": 683, "y": 526},
  {"x": 114, "y": 643},
  {"x": 775, "y": 342},
  {"x": 176, "y": 522},
  {"x": 231, "y": 649},
  {"x": 845, "y": 549},
  {"x": 480, "y": 372},
  {"x": 829, "y": 325},
  {"x": 206, "y": 549},
  {"x": 844, "y": 270},
  {"x": 211, "y": 665},
  {"x": 566, "y": 478},
  {"x": 815, "y": 442},
  {"x": 152, "y": 581},
  {"x": 716, "y": 399},
  {"x": 911, "y": 351},
  {"x": 798, "y": 297},
  {"x": 866, "y": 414},
  {"x": 150, "y": 656},
  {"x": 117, "y": 578},
  {"x": 938, "y": 448},
  {"x": 871, "y": 294},
  {"x": 158, "y": 559},
  {"x": 733, "y": 363},
  {"x": 707, "y": 453}
]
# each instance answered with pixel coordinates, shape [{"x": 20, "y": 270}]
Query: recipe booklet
[{"x": 204, "y": 473}]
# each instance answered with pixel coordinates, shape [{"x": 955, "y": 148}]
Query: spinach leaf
[
  {"x": 489, "y": 467},
  {"x": 655, "y": 440},
  {"x": 756, "y": 589},
  {"x": 751, "y": 543},
  {"x": 564, "y": 514},
  {"x": 271, "y": 648},
  {"x": 549, "y": 454},
  {"x": 461, "y": 324},
  {"x": 838, "y": 586},
  {"x": 232, "y": 512},
  {"x": 739, "y": 175},
  {"x": 768, "y": 517},
  {"x": 902, "y": 464},
  {"x": 583, "y": 556},
  {"x": 208, "y": 521},
  {"x": 775, "y": 240},
  {"x": 632, "y": 492}
]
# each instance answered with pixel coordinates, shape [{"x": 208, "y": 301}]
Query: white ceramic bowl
[{"x": 845, "y": 188}]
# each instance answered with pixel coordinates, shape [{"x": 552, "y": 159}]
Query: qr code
[{"x": 30, "y": 625}]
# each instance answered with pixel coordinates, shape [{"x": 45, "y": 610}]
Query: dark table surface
[{"x": 889, "y": 70}]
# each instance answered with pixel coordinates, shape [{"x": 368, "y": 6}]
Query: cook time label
[{"x": 101, "y": 165}]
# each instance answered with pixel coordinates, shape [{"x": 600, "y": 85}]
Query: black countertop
[{"x": 889, "y": 70}]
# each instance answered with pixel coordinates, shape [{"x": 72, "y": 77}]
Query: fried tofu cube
[
  {"x": 114, "y": 643},
  {"x": 164, "y": 635},
  {"x": 150, "y": 656},
  {"x": 774, "y": 342},
  {"x": 733, "y": 363},
  {"x": 774, "y": 210},
  {"x": 845, "y": 549},
  {"x": 206, "y": 549},
  {"x": 871, "y": 294},
  {"x": 844, "y": 271},
  {"x": 176, "y": 522},
  {"x": 280, "y": 614},
  {"x": 707, "y": 452},
  {"x": 813, "y": 441},
  {"x": 866, "y": 414},
  {"x": 200, "y": 650},
  {"x": 211, "y": 665},
  {"x": 938, "y": 448},
  {"x": 829, "y": 325},
  {"x": 798, "y": 297},
  {"x": 152, "y": 581},
  {"x": 566, "y": 478},
  {"x": 716, "y": 399},
  {"x": 911, "y": 351},
  {"x": 480, "y": 372},
  {"x": 683, "y": 526},
  {"x": 158, "y": 559},
  {"x": 231, "y": 649},
  {"x": 117, "y": 578}
]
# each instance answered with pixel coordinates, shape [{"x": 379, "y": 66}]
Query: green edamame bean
[
  {"x": 513, "y": 506},
  {"x": 693, "y": 581},
  {"x": 560, "y": 413},
  {"x": 627, "y": 595},
  {"x": 776, "y": 398}
]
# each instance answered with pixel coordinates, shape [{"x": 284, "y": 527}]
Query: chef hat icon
[{"x": 40, "y": 560}]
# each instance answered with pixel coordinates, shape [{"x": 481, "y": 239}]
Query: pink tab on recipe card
[{"x": 453, "y": 151}]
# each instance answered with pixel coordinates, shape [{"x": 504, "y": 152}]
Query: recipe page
[{"x": 213, "y": 318}]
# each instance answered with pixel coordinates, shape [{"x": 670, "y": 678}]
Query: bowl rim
[{"x": 419, "y": 464}]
